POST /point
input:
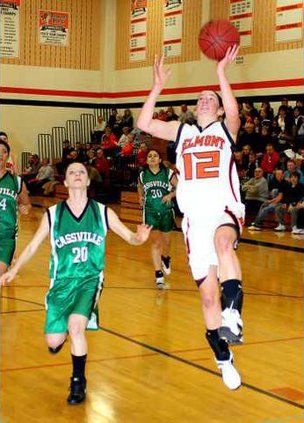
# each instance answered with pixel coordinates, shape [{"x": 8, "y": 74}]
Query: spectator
[
  {"x": 294, "y": 195},
  {"x": 66, "y": 149},
  {"x": 170, "y": 114},
  {"x": 263, "y": 139},
  {"x": 127, "y": 119},
  {"x": 245, "y": 155},
  {"x": 109, "y": 143},
  {"x": 252, "y": 165},
  {"x": 112, "y": 119},
  {"x": 256, "y": 191},
  {"x": 98, "y": 130},
  {"x": 117, "y": 127},
  {"x": 247, "y": 137},
  {"x": 31, "y": 170},
  {"x": 270, "y": 160},
  {"x": 292, "y": 168},
  {"x": 123, "y": 140},
  {"x": 90, "y": 159},
  {"x": 103, "y": 167},
  {"x": 285, "y": 124},
  {"x": 127, "y": 150},
  {"x": 80, "y": 152},
  {"x": 141, "y": 156},
  {"x": 186, "y": 115},
  {"x": 45, "y": 174},
  {"x": 277, "y": 188}
]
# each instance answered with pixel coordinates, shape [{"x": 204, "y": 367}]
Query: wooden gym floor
[{"x": 150, "y": 361}]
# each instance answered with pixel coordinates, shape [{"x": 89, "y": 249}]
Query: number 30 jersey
[
  {"x": 207, "y": 180},
  {"x": 77, "y": 243},
  {"x": 156, "y": 186}
]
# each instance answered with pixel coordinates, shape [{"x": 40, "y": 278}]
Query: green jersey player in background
[
  {"x": 13, "y": 196},
  {"x": 77, "y": 229},
  {"x": 156, "y": 188}
]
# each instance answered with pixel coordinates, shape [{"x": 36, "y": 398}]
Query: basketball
[{"x": 215, "y": 37}]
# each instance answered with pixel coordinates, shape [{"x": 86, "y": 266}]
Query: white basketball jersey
[{"x": 207, "y": 180}]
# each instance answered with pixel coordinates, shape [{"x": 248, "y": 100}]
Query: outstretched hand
[
  {"x": 142, "y": 233},
  {"x": 230, "y": 56},
  {"x": 161, "y": 75}
]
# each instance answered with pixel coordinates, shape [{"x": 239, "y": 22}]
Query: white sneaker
[
  {"x": 253, "y": 227},
  {"x": 230, "y": 375},
  {"x": 280, "y": 228},
  {"x": 232, "y": 326},
  {"x": 297, "y": 231}
]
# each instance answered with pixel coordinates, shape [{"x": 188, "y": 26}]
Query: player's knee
[
  {"x": 224, "y": 244},
  {"x": 209, "y": 300},
  {"x": 53, "y": 342},
  {"x": 75, "y": 329}
]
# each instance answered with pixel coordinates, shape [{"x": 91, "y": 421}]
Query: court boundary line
[{"x": 198, "y": 366}]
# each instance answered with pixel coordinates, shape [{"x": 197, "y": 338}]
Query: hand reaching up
[{"x": 161, "y": 75}]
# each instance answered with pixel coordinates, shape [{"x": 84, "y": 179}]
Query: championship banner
[
  {"x": 173, "y": 28},
  {"x": 289, "y": 20},
  {"x": 241, "y": 16},
  {"x": 53, "y": 28},
  {"x": 138, "y": 30},
  {"x": 9, "y": 28}
]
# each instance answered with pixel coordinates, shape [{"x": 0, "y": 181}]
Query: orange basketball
[{"x": 215, "y": 37}]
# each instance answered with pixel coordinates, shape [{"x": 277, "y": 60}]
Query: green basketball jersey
[
  {"x": 78, "y": 244},
  {"x": 10, "y": 187},
  {"x": 156, "y": 186}
]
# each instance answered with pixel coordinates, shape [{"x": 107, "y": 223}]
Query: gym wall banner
[
  {"x": 53, "y": 28},
  {"x": 9, "y": 28}
]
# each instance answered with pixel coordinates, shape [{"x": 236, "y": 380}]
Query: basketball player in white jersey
[{"x": 208, "y": 195}]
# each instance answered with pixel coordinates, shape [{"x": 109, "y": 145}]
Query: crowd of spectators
[{"x": 269, "y": 156}]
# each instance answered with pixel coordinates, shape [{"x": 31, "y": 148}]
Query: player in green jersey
[
  {"x": 77, "y": 228},
  {"x": 156, "y": 188},
  {"x": 13, "y": 196}
]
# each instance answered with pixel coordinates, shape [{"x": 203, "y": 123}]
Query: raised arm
[
  {"x": 28, "y": 252},
  {"x": 133, "y": 238},
  {"x": 155, "y": 127},
  {"x": 229, "y": 101}
]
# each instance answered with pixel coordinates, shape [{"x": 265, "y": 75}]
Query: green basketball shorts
[
  {"x": 7, "y": 249},
  {"x": 163, "y": 221},
  {"x": 71, "y": 296}
]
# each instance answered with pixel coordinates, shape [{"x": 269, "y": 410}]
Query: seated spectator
[
  {"x": 127, "y": 119},
  {"x": 292, "y": 168},
  {"x": 238, "y": 158},
  {"x": 263, "y": 139},
  {"x": 45, "y": 174},
  {"x": 162, "y": 115},
  {"x": 98, "y": 130},
  {"x": 80, "y": 152},
  {"x": 117, "y": 127},
  {"x": 270, "y": 160},
  {"x": 298, "y": 113},
  {"x": 256, "y": 190},
  {"x": 170, "y": 114},
  {"x": 245, "y": 155},
  {"x": 31, "y": 170},
  {"x": 186, "y": 115},
  {"x": 109, "y": 143},
  {"x": 285, "y": 123},
  {"x": 277, "y": 188},
  {"x": 90, "y": 159},
  {"x": 247, "y": 137},
  {"x": 252, "y": 165},
  {"x": 293, "y": 196},
  {"x": 112, "y": 119},
  {"x": 127, "y": 150},
  {"x": 123, "y": 140},
  {"x": 141, "y": 156},
  {"x": 66, "y": 149},
  {"x": 103, "y": 166}
]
